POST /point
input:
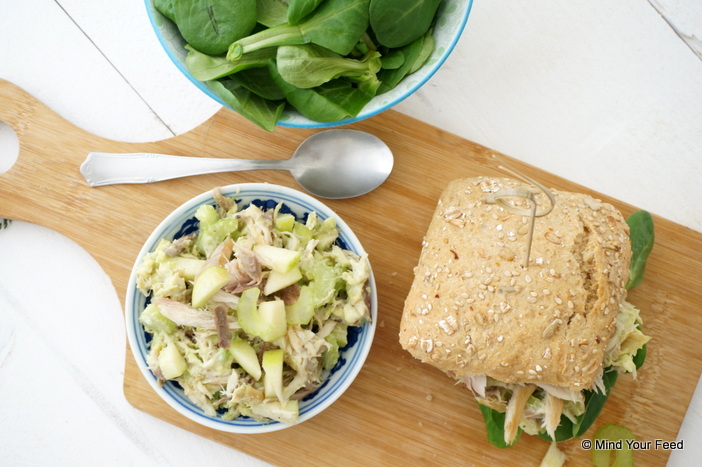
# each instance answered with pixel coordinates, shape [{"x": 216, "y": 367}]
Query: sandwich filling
[{"x": 535, "y": 407}]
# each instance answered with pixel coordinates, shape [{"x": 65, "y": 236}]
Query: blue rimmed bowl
[
  {"x": 182, "y": 221},
  {"x": 451, "y": 20}
]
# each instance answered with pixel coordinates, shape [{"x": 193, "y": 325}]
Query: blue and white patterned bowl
[
  {"x": 182, "y": 221},
  {"x": 451, "y": 21}
]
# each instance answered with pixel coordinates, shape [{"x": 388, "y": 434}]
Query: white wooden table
[{"x": 605, "y": 93}]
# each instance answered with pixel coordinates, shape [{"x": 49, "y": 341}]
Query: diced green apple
[
  {"x": 171, "y": 362},
  {"x": 273, "y": 373},
  {"x": 273, "y": 314},
  {"x": 277, "y": 259},
  {"x": 154, "y": 321},
  {"x": 189, "y": 267},
  {"x": 287, "y": 412},
  {"x": 285, "y": 222},
  {"x": 208, "y": 283},
  {"x": 279, "y": 280},
  {"x": 302, "y": 310},
  {"x": 266, "y": 320},
  {"x": 246, "y": 356}
]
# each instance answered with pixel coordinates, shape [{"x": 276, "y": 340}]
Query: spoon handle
[{"x": 110, "y": 169}]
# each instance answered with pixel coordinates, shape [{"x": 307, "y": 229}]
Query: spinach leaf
[
  {"x": 642, "y": 238},
  {"x": 337, "y": 25},
  {"x": 397, "y": 24},
  {"x": 392, "y": 60},
  {"x": 309, "y": 102},
  {"x": 351, "y": 98},
  {"x": 262, "y": 112},
  {"x": 211, "y": 25},
  {"x": 594, "y": 402},
  {"x": 272, "y": 12},
  {"x": 309, "y": 66},
  {"x": 495, "y": 424},
  {"x": 259, "y": 82},
  {"x": 424, "y": 53},
  {"x": 298, "y": 9},
  {"x": 640, "y": 357},
  {"x": 205, "y": 67},
  {"x": 165, "y": 7},
  {"x": 391, "y": 77}
]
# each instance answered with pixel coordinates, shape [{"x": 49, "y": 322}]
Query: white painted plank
[
  {"x": 61, "y": 366},
  {"x": 685, "y": 17},
  {"x": 44, "y": 52},
  {"x": 585, "y": 94},
  {"x": 122, "y": 31}
]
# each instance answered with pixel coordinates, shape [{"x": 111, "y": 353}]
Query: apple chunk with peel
[
  {"x": 287, "y": 412},
  {"x": 302, "y": 311},
  {"x": 272, "y": 363},
  {"x": 279, "y": 280},
  {"x": 285, "y": 222},
  {"x": 266, "y": 320},
  {"x": 277, "y": 259},
  {"x": 207, "y": 284},
  {"x": 171, "y": 362},
  {"x": 246, "y": 356},
  {"x": 189, "y": 267}
]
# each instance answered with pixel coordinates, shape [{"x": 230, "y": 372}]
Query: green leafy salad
[
  {"x": 249, "y": 313},
  {"x": 325, "y": 58}
]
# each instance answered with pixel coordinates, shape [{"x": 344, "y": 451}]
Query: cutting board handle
[{"x": 46, "y": 169}]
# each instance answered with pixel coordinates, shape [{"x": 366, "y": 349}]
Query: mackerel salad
[{"x": 249, "y": 314}]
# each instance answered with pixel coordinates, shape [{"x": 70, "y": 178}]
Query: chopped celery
[
  {"x": 338, "y": 339},
  {"x": 207, "y": 215},
  {"x": 303, "y": 232},
  {"x": 613, "y": 437},
  {"x": 266, "y": 320},
  {"x": 211, "y": 235},
  {"x": 324, "y": 280},
  {"x": 326, "y": 234}
]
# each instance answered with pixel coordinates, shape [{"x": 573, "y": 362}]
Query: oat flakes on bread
[
  {"x": 475, "y": 312},
  {"x": 473, "y": 309}
]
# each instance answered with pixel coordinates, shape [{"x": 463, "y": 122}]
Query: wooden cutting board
[{"x": 398, "y": 410}]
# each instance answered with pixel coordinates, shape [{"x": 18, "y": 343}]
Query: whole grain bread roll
[{"x": 474, "y": 309}]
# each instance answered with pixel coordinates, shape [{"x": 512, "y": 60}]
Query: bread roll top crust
[{"x": 473, "y": 309}]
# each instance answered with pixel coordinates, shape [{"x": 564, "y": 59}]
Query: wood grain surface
[{"x": 397, "y": 410}]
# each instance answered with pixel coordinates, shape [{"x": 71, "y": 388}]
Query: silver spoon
[{"x": 331, "y": 164}]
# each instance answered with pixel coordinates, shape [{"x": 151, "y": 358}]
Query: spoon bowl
[
  {"x": 334, "y": 164},
  {"x": 339, "y": 164}
]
